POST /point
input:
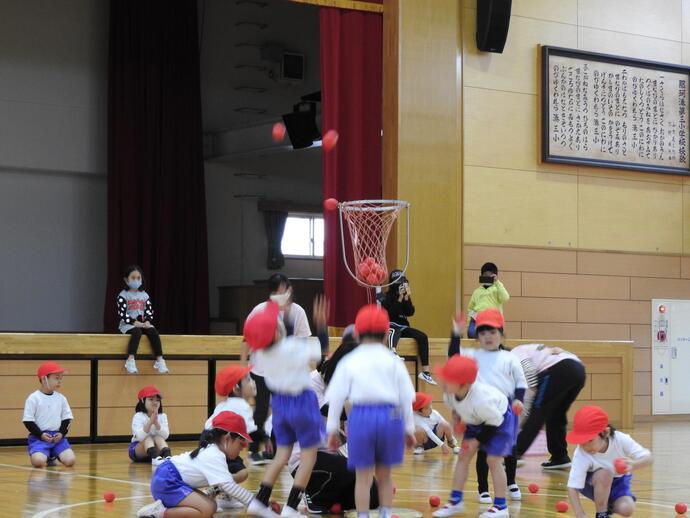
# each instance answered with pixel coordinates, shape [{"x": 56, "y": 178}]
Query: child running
[
  {"x": 47, "y": 416},
  {"x": 174, "y": 484},
  {"x": 149, "y": 427},
  {"x": 286, "y": 362},
  {"x": 431, "y": 429},
  {"x": 380, "y": 423},
  {"x": 593, "y": 472},
  {"x": 490, "y": 427}
]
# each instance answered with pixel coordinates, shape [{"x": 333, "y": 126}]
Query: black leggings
[
  {"x": 153, "y": 336},
  {"x": 262, "y": 401},
  {"x": 398, "y": 332},
  {"x": 483, "y": 471}
]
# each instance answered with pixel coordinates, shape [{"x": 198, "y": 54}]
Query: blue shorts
[
  {"x": 375, "y": 436},
  {"x": 297, "y": 419},
  {"x": 429, "y": 444},
  {"x": 502, "y": 441},
  {"x": 133, "y": 456},
  {"x": 167, "y": 485},
  {"x": 619, "y": 487},
  {"x": 50, "y": 450}
]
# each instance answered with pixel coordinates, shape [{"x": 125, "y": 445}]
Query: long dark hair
[
  {"x": 135, "y": 268},
  {"x": 209, "y": 437},
  {"x": 141, "y": 406},
  {"x": 396, "y": 278},
  {"x": 327, "y": 368}
]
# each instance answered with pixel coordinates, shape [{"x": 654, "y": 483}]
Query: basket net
[{"x": 370, "y": 223}]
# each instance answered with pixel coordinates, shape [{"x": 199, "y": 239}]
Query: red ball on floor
[
  {"x": 276, "y": 507},
  {"x": 336, "y": 508},
  {"x": 533, "y": 488},
  {"x": 562, "y": 506},
  {"x": 434, "y": 501}
]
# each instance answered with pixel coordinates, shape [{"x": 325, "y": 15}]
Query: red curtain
[
  {"x": 156, "y": 197},
  {"x": 351, "y": 83}
]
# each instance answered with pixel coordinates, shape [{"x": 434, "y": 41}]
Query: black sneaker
[
  {"x": 556, "y": 464},
  {"x": 257, "y": 459}
]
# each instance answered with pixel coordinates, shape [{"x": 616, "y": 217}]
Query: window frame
[{"x": 311, "y": 216}]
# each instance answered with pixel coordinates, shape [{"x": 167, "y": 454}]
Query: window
[{"x": 303, "y": 236}]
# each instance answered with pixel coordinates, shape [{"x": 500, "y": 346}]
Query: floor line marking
[
  {"x": 76, "y": 474},
  {"x": 80, "y": 504}
]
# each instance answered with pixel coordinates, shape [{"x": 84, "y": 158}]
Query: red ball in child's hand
[
  {"x": 620, "y": 465},
  {"x": 276, "y": 507},
  {"x": 517, "y": 408},
  {"x": 533, "y": 488},
  {"x": 336, "y": 508},
  {"x": 434, "y": 501},
  {"x": 681, "y": 507},
  {"x": 278, "y": 132},
  {"x": 108, "y": 496},
  {"x": 329, "y": 140},
  {"x": 562, "y": 506}
]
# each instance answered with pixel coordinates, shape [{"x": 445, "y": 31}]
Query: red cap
[
  {"x": 48, "y": 368},
  {"x": 372, "y": 319},
  {"x": 231, "y": 423},
  {"x": 458, "y": 369},
  {"x": 229, "y": 377},
  {"x": 421, "y": 399},
  {"x": 491, "y": 317},
  {"x": 588, "y": 422},
  {"x": 149, "y": 391},
  {"x": 260, "y": 328}
]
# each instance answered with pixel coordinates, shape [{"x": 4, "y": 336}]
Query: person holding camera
[
  {"x": 398, "y": 302},
  {"x": 491, "y": 294}
]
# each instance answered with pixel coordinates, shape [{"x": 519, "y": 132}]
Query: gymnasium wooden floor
[{"x": 58, "y": 492}]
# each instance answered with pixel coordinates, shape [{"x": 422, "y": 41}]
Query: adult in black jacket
[{"x": 398, "y": 302}]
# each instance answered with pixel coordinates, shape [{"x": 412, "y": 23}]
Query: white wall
[
  {"x": 53, "y": 69},
  {"x": 236, "y": 235}
]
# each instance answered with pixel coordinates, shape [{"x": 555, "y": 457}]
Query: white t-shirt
[
  {"x": 427, "y": 424},
  {"x": 209, "y": 468},
  {"x": 140, "y": 419},
  {"x": 371, "y": 374},
  {"x": 237, "y": 405},
  {"x": 620, "y": 445},
  {"x": 287, "y": 364},
  {"x": 47, "y": 410},
  {"x": 499, "y": 369},
  {"x": 483, "y": 404},
  {"x": 296, "y": 317}
]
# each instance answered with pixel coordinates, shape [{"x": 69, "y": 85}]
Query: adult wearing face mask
[{"x": 296, "y": 323}]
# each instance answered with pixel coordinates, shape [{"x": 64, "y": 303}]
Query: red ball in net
[
  {"x": 372, "y": 278},
  {"x": 380, "y": 272},
  {"x": 330, "y": 204},
  {"x": 620, "y": 465},
  {"x": 108, "y": 496},
  {"x": 278, "y": 132},
  {"x": 434, "y": 501},
  {"x": 533, "y": 488},
  {"x": 329, "y": 140},
  {"x": 363, "y": 271},
  {"x": 681, "y": 508},
  {"x": 336, "y": 508},
  {"x": 370, "y": 261},
  {"x": 562, "y": 506}
]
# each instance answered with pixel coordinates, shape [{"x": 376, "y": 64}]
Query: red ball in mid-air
[
  {"x": 330, "y": 204},
  {"x": 108, "y": 496},
  {"x": 329, "y": 140},
  {"x": 681, "y": 507},
  {"x": 434, "y": 501},
  {"x": 278, "y": 132},
  {"x": 533, "y": 488},
  {"x": 562, "y": 506}
]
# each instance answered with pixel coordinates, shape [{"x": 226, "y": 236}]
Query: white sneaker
[
  {"x": 131, "y": 366},
  {"x": 158, "y": 461},
  {"x": 154, "y": 510},
  {"x": 495, "y": 512},
  {"x": 289, "y": 512},
  {"x": 449, "y": 509},
  {"x": 258, "y": 509},
  {"x": 418, "y": 450},
  {"x": 425, "y": 376},
  {"x": 226, "y": 504},
  {"x": 456, "y": 450},
  {"x": 160, "y": 366},
  {"x": 485, "y": 498},
  {"x": 514, "y": 492}
]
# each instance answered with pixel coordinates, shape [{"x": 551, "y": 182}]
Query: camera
[{"x": 486, "y": 279}]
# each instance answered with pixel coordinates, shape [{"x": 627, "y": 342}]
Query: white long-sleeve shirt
[
  {"x": 371, "y": 374},
  {"x": 483, "y": 404},
  {"x": 140, "y": 419},
  {"x": 427, "y": 424},
  {"x": 500, "y": 369},
  {"x": 287, "y": 364},
  {"x": 237, "y": 405}
]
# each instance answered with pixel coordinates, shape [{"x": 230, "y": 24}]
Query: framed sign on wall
[{"x": 609, "y": 111}]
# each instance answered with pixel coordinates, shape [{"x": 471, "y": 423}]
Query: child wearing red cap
[
  {"x": 490, "y": 427},
  {"x": 380, "y": 424},
  {"x": 149, "y": 427},
  {"x": 174, "y": 484},
  {"x": 593, "y": 472},
  {"x": 47, "y": 416},
  {"x": 429, "y": 424},
  {"x": 501, "y": 369},
  {"x": 286, "y": 363}
]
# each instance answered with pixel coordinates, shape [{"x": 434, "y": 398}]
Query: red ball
[
  {"x": 108, "y": 496},
  {"x": 329, "y": 140},
  {"x": 517, "y": 409},
  {"x": 562, "y": 506},
  {"x": 336, "y": 508},
  {"x": 278, "y": 132},
  {"x": 363, "y": 271},
  {"x": 330, "y": 204},
  {"x": 460, "y": 427},
  {"x": 533, "y": 488},
  {"x": 434, "y": 501},
  {"x": 620, "y": 465},
  {"x": 681, "y": 507},
  {"x": 276, "y": 507},
  {"x": 394, "y": 516}
]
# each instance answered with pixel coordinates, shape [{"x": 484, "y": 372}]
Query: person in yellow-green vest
[{"x": 491, "y": 294}]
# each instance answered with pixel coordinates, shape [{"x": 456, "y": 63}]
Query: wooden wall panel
[
  {"x": 613, "y": 311},
  {"x": 182, "y": 420},
  {"x": 575, "y": 331},
  {"x": 575, "y": 286},
  {"x": 541, "y": 309},
  {"x": 633, "y": 265},
  {"x": 13, "y": 428},
  {"x": 643, "y": 288},
  {"x": 521, "y": 259}
]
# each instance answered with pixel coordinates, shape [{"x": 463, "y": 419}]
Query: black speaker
[{"x": 493, "y": 20}]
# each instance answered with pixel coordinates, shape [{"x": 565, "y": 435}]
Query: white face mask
[{"x": 281, "y": 298}]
